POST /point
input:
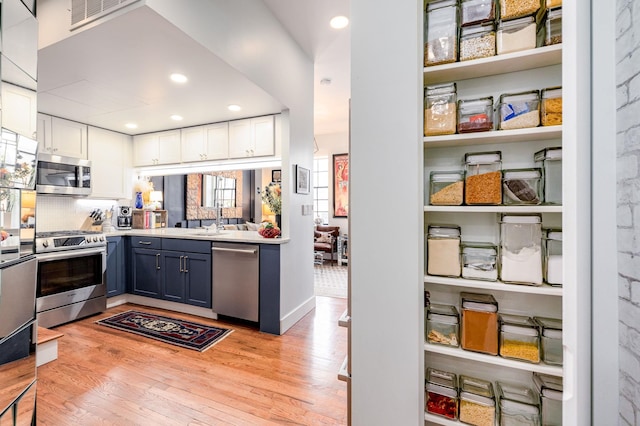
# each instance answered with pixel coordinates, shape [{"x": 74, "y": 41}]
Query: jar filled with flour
[
  {"x": 553, "y": 257},
  {"x": 521, "y": 249},
  {"x": 443, "y": 250}
]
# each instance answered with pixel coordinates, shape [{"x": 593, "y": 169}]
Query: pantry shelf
[
  {"x": 494, "y": 209},
  {"x": 496, "y": 136},
  {"x": 495, "y": 360},
  {"x": 544, "y": 290},
  {"x": 494, "y": 65},
  {"x": 432, "y": 418}
]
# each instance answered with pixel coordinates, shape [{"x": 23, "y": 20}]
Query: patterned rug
[
  {"x": 330, "y": 281},
  {"x": 183, "y": 333}
]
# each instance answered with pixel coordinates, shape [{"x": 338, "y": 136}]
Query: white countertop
[{"x": 201, "y": 234}]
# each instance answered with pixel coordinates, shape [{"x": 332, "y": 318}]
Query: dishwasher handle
[{"x": 232, "y": 250}]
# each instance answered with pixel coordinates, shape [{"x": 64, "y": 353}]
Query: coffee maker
[{"x": 124, "y": 217}]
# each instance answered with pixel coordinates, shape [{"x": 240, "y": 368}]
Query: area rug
[
  {"x": 330, "y": 280},
  {"x": 178, "y": 332}
]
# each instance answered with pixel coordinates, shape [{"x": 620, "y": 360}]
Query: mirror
[
  {"x": 19, "y": 37},
  {"x": 17, "y": 160},
  {"x": 218, "y": 191},
  {"x": 204, "y": 190}
]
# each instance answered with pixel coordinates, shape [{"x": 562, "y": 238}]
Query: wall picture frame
[
  {"x": 340, "y": 185},
  {"x": 276, "y": 176},
  {"x": 303, "y": 180}
]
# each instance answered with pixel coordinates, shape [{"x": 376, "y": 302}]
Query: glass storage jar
[
  {"x": 553, "y": 257},
  {"x": 440, "y": 110},
  {"x": 477, "y": 402},
  {"x": 522, "y": 186},
  {"x": 550, "y": 390},
  {"x": 510, "y": 9},
  {"x": 551, "y": 331},
  {"x": 551, "y": 160},
  {"x": 518, "y": 405},
  {"x": 443, "y": 325},
  {"x": 551, "y": 109},
  {"x": 519, "y": 338},
  {"x": 519, "y": 110},
  {"x": 477, "y": 11},
  {"x": 477, "y": 41},
  {"x": 483, "y": 178},
  {"x": 441, "y": 32},
  {"x": 446, "y": 188},
  {"x": 442, "y": 393},
  {"x": 514, "y": 36},
  {"x": 479, "y": 261},
  {"x": 475, "y": 115},
  {"x": 479, "y": 323},
  {"x": 443, "y": 250},
  {"x": 521, "y": 249},
  {"x": 553, "y": 26}
]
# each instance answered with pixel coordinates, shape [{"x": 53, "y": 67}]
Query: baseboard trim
[
  {"x": 161, "y": 304},
  {"x": 296, "y": 315}
]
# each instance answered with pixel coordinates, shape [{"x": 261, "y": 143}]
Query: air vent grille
[{"x": 85, "y": 11}]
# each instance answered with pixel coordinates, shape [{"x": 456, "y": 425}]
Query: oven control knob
[
  {"x": 95, "y": 239},
  {"x": 102, "y": 239},
  {"x": 88, "y": 239},
  {"x": 45, "y": 243}
]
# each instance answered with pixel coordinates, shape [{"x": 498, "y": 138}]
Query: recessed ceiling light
[
  {"x": 234, "y": 107},
  {"x": 178, "y": 78},
  {"x": 131, "y": 126},
  {"x": 339, "y": 22},
  {"x": 176, "y": 117}
]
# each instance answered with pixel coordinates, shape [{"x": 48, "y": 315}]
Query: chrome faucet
[{"x": 218, "y": 217}]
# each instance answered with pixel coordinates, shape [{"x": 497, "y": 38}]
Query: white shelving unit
[{"x": 521, "y": 71}]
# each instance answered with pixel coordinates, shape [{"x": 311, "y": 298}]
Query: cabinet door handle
[
  {"x": 157, "y": 260},
  {"x": 145, "y": 243},
  {"x": 181, "y": 268},
  {"x": 185, "y": 264}
]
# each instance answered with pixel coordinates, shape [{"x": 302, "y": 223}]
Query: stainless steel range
[{"x": 71, "y": 276}]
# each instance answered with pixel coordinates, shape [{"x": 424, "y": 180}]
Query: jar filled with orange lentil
[
  {"x": 483, "y": 178},
  {"x": 519, "y": 338}
]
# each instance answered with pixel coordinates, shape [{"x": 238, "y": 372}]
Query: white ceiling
[{"x": 117, "y": 72}]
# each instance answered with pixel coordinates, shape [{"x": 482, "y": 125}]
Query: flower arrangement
[{"x": 272, "y": 197}]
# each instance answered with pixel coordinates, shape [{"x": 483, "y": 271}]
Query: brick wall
[{"x": 628, "y": 209}]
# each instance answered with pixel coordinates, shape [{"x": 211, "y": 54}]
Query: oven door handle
[{"x": 66, "y": 254}]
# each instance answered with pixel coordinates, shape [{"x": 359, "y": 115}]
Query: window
[
  {"x": 321, "y": 188},
  {"x": 218, "y": 191}
]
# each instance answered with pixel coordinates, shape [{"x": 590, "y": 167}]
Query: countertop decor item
[
  {"x": 178, "y": 332},
  {"x": 272, "y": 197},
  {"x": 269, "y": 231}
]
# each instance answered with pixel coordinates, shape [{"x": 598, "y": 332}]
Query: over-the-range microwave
[{"x": 63, "y": 175}]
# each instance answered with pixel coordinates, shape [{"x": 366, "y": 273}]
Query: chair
[{"x": 331, "y": 246}]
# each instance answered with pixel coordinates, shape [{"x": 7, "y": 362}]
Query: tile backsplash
[{"x": 59, "y": 213}]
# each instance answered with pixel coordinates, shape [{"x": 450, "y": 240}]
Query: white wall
[
  {"x": 330, "y": 144},
  {"x": 246, "y": 35}
]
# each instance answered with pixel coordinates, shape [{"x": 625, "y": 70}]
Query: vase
[
  {"x": 139, "y": 204},
  {"x": 278, "y": 220}
]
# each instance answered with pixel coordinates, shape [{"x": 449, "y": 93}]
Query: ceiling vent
[{"x": 85, "y": 11}]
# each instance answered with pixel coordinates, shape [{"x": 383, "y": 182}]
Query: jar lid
[
  {"x": 477, "y": 29},
  {"x": 517, "y": 393},
  {"x": 450, "y": 310},
  {"x": 442, "y": 378},
  {"x": 447, "y": 176},
  {"x": 532, "y": 95},
  {"x": 548, "y": 386},
  {"x": 444, "y": 231},
  {"x": 554, "y": 234},
  {"x": 518, "y": 320},
  {"x": 553, "y": 153},
  {"x": 471, "y": 386},
  {"x": 483, "y": 157},
  {"x": 514, "y": 218},
  {"x": 554, "y": 13},
  {"x": 442, "y": 390},
  {"x": 479, "y": 301},
  {"x": 441, "y": 89},
  {"x": 532, "y": 173},
  {"x": 552, "y": 92},
  {"x": 479, "y": 248},
  {"x": 515, "y": 23},
  {"x": 469, "y": 106},
  {"x": 437, "y": 4},
  {"x": 549, "y": 324}
]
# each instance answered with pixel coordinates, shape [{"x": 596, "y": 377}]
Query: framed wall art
[
  {"x": 276, "y": 176},
  {"x": 340, "y": 185},
  {"x": 303, "y": 180}
]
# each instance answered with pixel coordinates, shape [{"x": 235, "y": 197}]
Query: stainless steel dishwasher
[{"x": 236, "y": 280}]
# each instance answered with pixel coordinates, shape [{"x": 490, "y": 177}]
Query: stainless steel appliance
[
  {"x": 63, "y": 175},
  {"x": 71, "y": 276},
  {"x": 236, "y": 280},
  {"x": 124, "y": 217}
]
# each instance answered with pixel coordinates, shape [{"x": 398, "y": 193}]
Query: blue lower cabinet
[
  {"x": 146, "y": 272},
  {"x": 198, "y": 279},
  {"x": 116, "y": 275},
  {"x": 173, "y": 286}
]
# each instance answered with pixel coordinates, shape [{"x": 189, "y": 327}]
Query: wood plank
[
  {"x": 46, "y": 335},
  {"x": 106, "y": 377}
]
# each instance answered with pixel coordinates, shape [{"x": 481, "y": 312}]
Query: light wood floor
[{"x": 108, "y": 377}]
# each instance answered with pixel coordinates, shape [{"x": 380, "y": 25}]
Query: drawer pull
[{"x": 145, "y": 243}]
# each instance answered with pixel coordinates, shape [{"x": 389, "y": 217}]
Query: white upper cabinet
[
  {"x": 19, "y": 110},
  {"x": 252, "y": 137},
  {"x": 110, "y": 155},
  {"x": 156, "y": 148},
  {"x": 62, "y": 137},
  {"x": 204, "y": 143}
]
